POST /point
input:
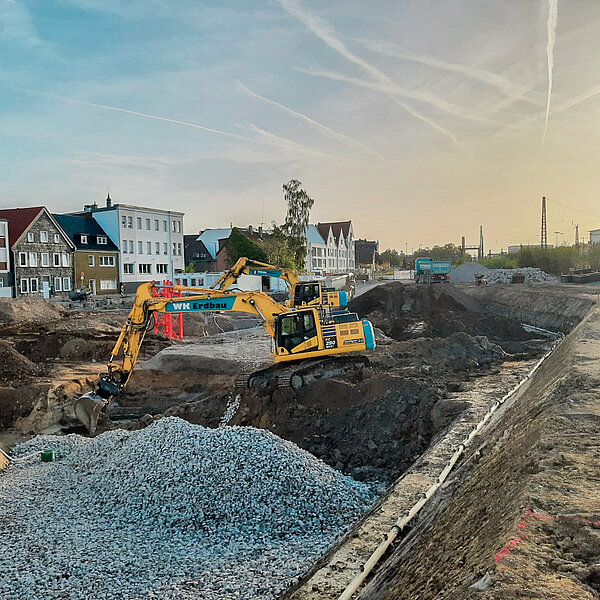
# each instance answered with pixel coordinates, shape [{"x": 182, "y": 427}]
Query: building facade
[
  {"x": 150, "y": 241},
  {"x": 339, "y": 239},
  {"x": 6, "y": 282},
  {"x": 196, "y": 254},
  {"x": 316, "y": 251},
  {"x": 595, "y": 236},
  {"x": 41, "y": 252},
  {"x": 96, "y": 258},
  {"x": 366, "y": 254}
]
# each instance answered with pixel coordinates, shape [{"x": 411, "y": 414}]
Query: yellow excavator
[
  {"x": 304, "y": 334},
  {"x": 310, "y": 293}
]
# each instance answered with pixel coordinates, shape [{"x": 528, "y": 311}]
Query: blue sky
[{"x": 418, "y": 119}]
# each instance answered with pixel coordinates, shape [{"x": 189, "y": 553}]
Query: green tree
[
  {"x": 391, "y": 256},
  {"x": 299, "y": 204},
  {"x": 278, "y": 249},
  {"x": 239, "y": 245}
]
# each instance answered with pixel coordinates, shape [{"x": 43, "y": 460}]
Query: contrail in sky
[
  {"x": 427, "y": 120},
  {"x": 326, "y": 32},
  {"x": 246, "y": 90},
  {"x": 552, "y": 20},
  {"x": 477, "y": 74},
  {"x": 130, "y": 112}
]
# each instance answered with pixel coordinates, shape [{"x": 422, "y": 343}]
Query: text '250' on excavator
[{"x": 298, "y": 335}]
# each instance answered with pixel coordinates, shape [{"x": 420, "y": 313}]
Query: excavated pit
[{"x": 444, "y": 356}]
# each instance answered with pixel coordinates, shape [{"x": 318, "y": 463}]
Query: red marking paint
[{"x": 529, "y": 514}]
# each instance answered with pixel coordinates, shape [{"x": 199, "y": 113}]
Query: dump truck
[{"x": 428, "y": 270}]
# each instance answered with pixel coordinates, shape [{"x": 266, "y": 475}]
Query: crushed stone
[{"x": 173, "y": 511}]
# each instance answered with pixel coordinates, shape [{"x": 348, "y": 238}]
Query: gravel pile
[
  {"x": 173, "y": 511},
  {"x": 466, "y": 272},
  {"x": 532, "y": 275}
]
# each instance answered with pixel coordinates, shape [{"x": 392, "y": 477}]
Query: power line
[{"x": 585, "y": 212}]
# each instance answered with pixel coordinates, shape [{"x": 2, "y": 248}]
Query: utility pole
[
  {"x": 577, "y": 236},
  {"x": 544, "y": 233},
  {"x": 480, "y": 253}
]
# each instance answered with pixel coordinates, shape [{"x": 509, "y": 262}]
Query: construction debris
[
  {"x": 172, "y": 511},
  {"x": 529, "y": 275}
]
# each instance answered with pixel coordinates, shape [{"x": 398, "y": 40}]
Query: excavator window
[
  {"x": 295, "y": 329},
  {"x": 306, "y": 292}
]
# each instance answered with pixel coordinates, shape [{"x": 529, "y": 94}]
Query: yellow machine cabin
[{"x": 311, "y": 293}]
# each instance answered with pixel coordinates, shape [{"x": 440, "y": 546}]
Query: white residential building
[
  {"x": 595, "y": 236},
  {"x": 5, "y": 276},
  {"x": 339, "y": 241},
  {"x": 150, "y": 241},
  {"x": 316, "y": 251}
]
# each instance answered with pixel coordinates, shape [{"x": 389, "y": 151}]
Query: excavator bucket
[{"x": 88, "y": 408}]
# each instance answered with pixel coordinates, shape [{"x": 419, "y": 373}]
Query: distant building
[
  {"x": 41, "y": 252},
  {"x": 215, "y": 244},
  {"x": 6, "y": 281},
  {"x": 595, "y": 236},
  {"x": 150, "y": 241},
  {"x": 366, "y": 254},
  {"x": 515, "y": 249},
  {"x": 339, "y": 239},
  {"x": 96, "y": 260},
  {"x": 196, "y": 254},
  {"x": 316, "y": 251}
]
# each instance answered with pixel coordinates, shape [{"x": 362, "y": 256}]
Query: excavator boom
[{"x": 298, "y": 334}]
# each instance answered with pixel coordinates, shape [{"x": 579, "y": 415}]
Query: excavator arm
[
  {"x": 247, "y": 266},
  {"x": 127, "y": 348}
]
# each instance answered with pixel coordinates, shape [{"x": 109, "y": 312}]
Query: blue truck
[{"x": 428, "y": 270}]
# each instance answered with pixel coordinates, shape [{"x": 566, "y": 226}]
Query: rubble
[
  {"x": 531, "y": 274},
  {"x": 172, "y": 511}
]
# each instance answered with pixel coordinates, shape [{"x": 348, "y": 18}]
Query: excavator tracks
[{"x": 298, "y": 375}]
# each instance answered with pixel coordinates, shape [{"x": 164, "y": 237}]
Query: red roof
[
  {"x": 19, "y": 219},
  {"x": 336, "y": 227}
]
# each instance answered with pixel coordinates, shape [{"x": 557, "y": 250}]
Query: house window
[
  {"x": 56, "y": 238},
  {"x": 157, "y": 247},
  {"x": 84, "y": 239},
  {"x": 91, "y": 261},
  {"x": 108, "y": 284},
  {"x": 179, "y": 248},
  {"x": 149, "y": 247},
  {"x": 161, "y": 268},
  {"x": 33, "y": 261},
  {"x": 174, "y": 248},
  {"x": 56, "y": 259},
  {"x": 102, "y": 240},
  {"x": 22, "y": 259},
  {"x": 156, "y": 225},
  {"x": 106, "y": 261},
  {"x": 45, "y": 259},
  {"x": 145, "y": 269},
  {"x": 139, "y": 222},
  {"x": 166, "y": 247},
  {"x": 124, "y": 221},
  {"x": 1, "y": 282},
  {"x": 65, "y": 262},
  {"x": 33, "y": 285},
  {"x": 148, "y": 224},
  {"x": 124, "y": 246},
  {"x": 57, "y": 284},
  {"x": 130, "y": 246},
  {"x": 30, "y": 237},
  {"x": 164, "y": 226},
  {"x": 24, "y": 286},
  {"x": 43, "y": 236},
  {"x": 66, "y": 284},
  {"x": 130, "y": 222},
  {"x": 128, "y": 268},
  {"x": 140, "y": 247}
]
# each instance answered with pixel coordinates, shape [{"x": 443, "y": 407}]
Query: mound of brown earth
[
  {"x": 16, "y": 369},
  {"x": 30, "y": 310}
]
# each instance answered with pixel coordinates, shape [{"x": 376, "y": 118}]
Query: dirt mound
[
  {"x": 406, "y": 312},
  {"x": 30, "y": 310},
  {"x": 16, "y": 368}
]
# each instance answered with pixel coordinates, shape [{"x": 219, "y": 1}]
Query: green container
[{"x": 47, "y": 455}]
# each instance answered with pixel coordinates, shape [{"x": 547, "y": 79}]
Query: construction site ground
[{"x": 520, "y": 513}]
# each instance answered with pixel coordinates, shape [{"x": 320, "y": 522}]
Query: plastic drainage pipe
[{"x": 401, "y": 523}]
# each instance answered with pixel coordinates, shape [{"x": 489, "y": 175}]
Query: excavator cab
[
  {"x": 306, "y": 292},
  {"x": 294, "y": 329}
]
